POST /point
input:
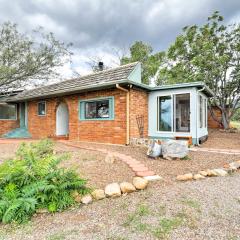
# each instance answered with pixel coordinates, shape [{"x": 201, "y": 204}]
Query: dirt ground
[
  {"x": 225, "y": 140},
  {"x": 196, "y": 210}
]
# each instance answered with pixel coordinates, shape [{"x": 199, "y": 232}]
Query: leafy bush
[{"x": 33, "y": 180}]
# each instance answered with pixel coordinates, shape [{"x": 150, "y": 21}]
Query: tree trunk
[{"x": 225, "y": 119}]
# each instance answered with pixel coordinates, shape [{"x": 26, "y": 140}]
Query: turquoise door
[{"x": 22, "y": 115}]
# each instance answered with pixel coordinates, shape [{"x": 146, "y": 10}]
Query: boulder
[
  {"x": 154, "y": 150},
  {"x": 203, "y": 173},
  {"x": 86, "y": 199},
  {"x": 109, "y": 158},
  {"x": 140, "y": 183},
  {"x": 211, "y": 173},
  {"x": 153, "y": 178},
  {"x": 175, "y": 149},
  {"x": 127, "y": 187},
  {"x": 198, "y": 176},
  {"x": 98, "y": 194},
  {"x": 113, "y": 190},
  {"x": 185, "y": 177},
  {"x": 220, "y": 172}
]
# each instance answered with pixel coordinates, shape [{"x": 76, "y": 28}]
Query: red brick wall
[
  {"x": 138, "y": 107},
  {"x": 211, "y": 122},
  {"x": 104, "y": 131},
  {"x": 8, "y": 125}
]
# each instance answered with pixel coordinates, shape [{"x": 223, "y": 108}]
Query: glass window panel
[
  {"x": 42, "y": 108},
  {"x": 182, "y": 112},
  {"x": 165, "y": 113},
  {"x": 8, "y": 112},
  {"x": 97, "y": 109}
]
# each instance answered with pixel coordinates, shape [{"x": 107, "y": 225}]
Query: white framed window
[
  {"x": 8, "y": 111},
  {"x": 173, "y": 113},
  {"x": 42, "y": 108}
]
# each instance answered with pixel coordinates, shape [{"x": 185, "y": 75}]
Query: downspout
[
  {"x": 127, "y": 112},
  {"x": 198, "y": 91}
]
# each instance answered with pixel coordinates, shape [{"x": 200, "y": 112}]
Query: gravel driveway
[{"x": 207, "y": 209}]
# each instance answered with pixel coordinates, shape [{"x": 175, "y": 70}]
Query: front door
[
  {"x": 22, "y": 115},
  {"x": 62, "y": 120}
]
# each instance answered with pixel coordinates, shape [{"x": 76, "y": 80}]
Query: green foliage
[
  {"x": 34, "y": 181},
  {"x": 143, "y": 52},
  {"x": 26, "y": 58},
  {"x": 236, "y": 116},
  {"x": 208, "y": 53}
]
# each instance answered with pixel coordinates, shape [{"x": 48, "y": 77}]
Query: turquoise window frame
[{"x": 111, "y": 109}]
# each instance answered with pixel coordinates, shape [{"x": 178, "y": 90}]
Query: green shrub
[{"x": 33, "y": 180}]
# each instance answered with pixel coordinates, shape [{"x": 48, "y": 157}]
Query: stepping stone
[
  {"x": 139, "y": 169},
  {"x": 136, "y": 165},
  {"x": 145, "y": 173}
]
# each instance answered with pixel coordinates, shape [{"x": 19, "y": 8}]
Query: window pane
[
  {"x": 8, "y": 111},
  {"x": 103, "y": 109},
  {"x": 90, "y": 110},
  {"x": 200, "y": 111},
  {"x": 41, "y": 108},
  {"x": 165, "y": 113},
  {"x": 182, "y": 116},
  {"x": 97, "y": 109}
]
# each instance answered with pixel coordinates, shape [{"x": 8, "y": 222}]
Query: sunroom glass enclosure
[{"x": 173, "y": 113}]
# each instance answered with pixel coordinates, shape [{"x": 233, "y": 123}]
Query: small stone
[
  {"x": 220, "y": 172},
  {"x": 98, "y": 194},
  {"x": 203, "y": 173},
  {"x": 109, "y": 158},
  {"x": 234, "y": 165},
  {"x": 77, "y": 197},
  {"x": 127, "y": 187},
  {"x": 153, "y": 178},
  {"x": 113, "y": 190},
  {"x": 198, "y": 176},
  {"x": 185, "y": 177},
  {"x": 86, "y": 199},
  {"x": 211, "y": 173},
  {"x": 41, "y": 210},
  {"x": 140, "y": 183}
]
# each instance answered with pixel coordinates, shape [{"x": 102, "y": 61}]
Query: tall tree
[
  {"x": 25, "y": 58},
  {"x": 143, "y": 52},
  {"x": 209, "y": 53}
]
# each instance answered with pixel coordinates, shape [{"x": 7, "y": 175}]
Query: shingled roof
[{"x": 101, "y": 78}]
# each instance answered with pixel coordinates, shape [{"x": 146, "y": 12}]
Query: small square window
[{"x": 41, "y": 108}]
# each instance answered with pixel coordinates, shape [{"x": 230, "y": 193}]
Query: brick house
[{"x": 110, "y": 106}]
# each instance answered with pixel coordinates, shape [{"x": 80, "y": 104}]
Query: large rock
[
  {"x": 127, "y": 187},
  {"x": 185, "y": 177},
  {"x": 98, "y": 194},
  {"x": 174, "y": 149},
  {"x": 86, "y": 199},
  {"x": 220, "y": 172},
  {"x": 140, "y": 183},
  {"x": 77, "y": 197},
  {"x": 198, "y": 176},
  {"x": 113, "y": 190},
  {"x": 154, "y": 150}
]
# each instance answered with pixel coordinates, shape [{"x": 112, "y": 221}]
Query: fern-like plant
[{"x": 34, "y": 180}]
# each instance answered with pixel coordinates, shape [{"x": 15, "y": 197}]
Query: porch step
[
  {"x": 18, "y": 133},
  {"x": 189, "y": 139}
]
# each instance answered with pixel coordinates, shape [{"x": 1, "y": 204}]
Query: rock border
[{"x": 216, "y": 172}]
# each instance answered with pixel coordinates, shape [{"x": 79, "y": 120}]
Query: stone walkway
[
  {"x": 137, "y": 167},
  {"x": 216, "y": 150}
]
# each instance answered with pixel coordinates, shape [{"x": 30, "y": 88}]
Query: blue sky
[{"x": 105, "y": 29}]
